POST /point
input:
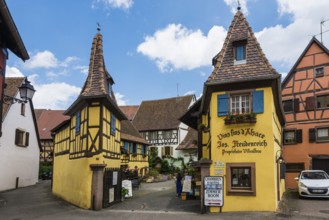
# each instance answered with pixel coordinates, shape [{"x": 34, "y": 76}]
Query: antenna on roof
[
  {"x": 239, "y": 6},
  {"x": 98, "y": 27}
]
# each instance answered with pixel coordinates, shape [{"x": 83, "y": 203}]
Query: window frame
[
  {"x": 292, "y": 105},
  {"x": 236, "y": 45},
  {"x": 231, "y": 190},
  {"x": 113, "y": 125},
  {"x": 316, "y": 73},
  {"x": 316, "y": 135},
  {"x": 77, "y": 122},
  {"x": 240, "y": 95},
  {"x": 317, "y": 98},
  {"x": 284, "y": 137},
  {"x": 21, "y": 138}
]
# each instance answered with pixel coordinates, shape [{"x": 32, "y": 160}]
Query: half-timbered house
[
  {"x": 305, "y": 97},
  {"x": 89, "y": 141},
  {"x": 48, "y": 119},
  {"x": 240, "y": 122},
  {"x": 158, "y": 122}
]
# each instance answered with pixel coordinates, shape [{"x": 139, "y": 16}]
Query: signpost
[{"x": 213, "y": 191}]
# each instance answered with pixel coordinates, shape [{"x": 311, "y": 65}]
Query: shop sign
[
  {"x": 219, "y": 164},
  {"x": 213, "y": 193},
  {"x": 236, "y": 144}
]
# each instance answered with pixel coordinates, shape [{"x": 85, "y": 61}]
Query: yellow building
[
  {"x": 240, "y": 121},
  {"x": 89, "y": 142}
]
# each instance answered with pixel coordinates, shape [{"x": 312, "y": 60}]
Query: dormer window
[{"x": 239, "y": 52}]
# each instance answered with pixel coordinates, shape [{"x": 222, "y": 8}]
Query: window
[
  {"x": 153, "y": 135},
  {"x": 77, "y": 122},
  {"x": 21, "y": 138},
  {"x": 322, "y": 101},
  {"x": 240, "y": 104},
  {"x": 322, "y": 134},
  {"x": 293, "y": 136},
  {"x": 144, "y": 149},
  {"x": 294, "y": 167},
  {"x": 167, "y": 134},
  {"x": 319, "y": 71},
  {"x": 287, "y": 106},
  {"x": 167, "y": 151},
  {"x": 240, "y": 179},
  {"x": 239, "y": 52},
  {"x": 113, "y": 124},
  {"x": 133, "y": 148},
  {"x": 23, "y": 109}
]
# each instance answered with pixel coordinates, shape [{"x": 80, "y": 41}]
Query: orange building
[{"x": 305, "y": 96}]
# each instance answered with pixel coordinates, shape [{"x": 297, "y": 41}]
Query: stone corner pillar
[
  {"x": 97, "y": 186},
  {"x": 205, "y": 171}
]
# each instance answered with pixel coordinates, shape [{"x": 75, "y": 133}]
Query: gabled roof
[
  {"x": 162, "y": 114},
  {"x": 291, "y": 72},
  {"x": 11, "y": 89},
  {"x": 130, "y": 111},
  {"x": 47, "y": 120},
  {"x": 130, "y": 133},
  {"x": 190, "y": 141},
  {"x": 9, "y": 36},
  {"x": 256, "y": 66},
  {"x": 98, "y": 85}
]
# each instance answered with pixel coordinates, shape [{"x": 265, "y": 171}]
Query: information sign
[{"x": 213, "y": 191}]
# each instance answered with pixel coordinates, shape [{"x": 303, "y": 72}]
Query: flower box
[{"x": 240, "y": 118}]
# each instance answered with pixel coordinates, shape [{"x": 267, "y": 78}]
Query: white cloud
[
  {"x": 234, "y": 5},
  {"x": 68, "y": 61},
  {"x": 285, "y": 44},
  {"x": 176, "y": 47},
  {"x": 62, "y": 95},
  {"x": 124, "y": 4},
  {"x": 13, "y": 72},
  {"x": 120, "y": 99},
  {"x": 82, "y": 69},
  {"x": 44, "y": 59}
]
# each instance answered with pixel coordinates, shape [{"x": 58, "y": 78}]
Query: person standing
[{"x": 179, "y": 184}]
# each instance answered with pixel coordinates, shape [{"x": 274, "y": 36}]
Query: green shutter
[
  {"x": 222, "y": 104},
  {"x": 258, "y": 101}
]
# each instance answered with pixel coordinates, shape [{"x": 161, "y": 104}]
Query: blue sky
[{"x": 152, "y": 49}]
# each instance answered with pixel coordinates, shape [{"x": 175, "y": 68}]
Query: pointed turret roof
[
  {"x": 256, "y": 66},
  {"x": 99, "y": 81}
]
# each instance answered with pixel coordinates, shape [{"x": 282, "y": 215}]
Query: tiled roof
[
  {"x": 99, "y": 81},
  {"x": 38, "y": 112},
  {"x": 161, "y": 114},
  {"x": 190, "y": 141},
  {"x": 12, "y": 84},
  {"x": 256, "y": 66},
  {"x": 130, "y": 111},
  {"x": 130, "y": 133},
  {"x": 47, "y": 120}
]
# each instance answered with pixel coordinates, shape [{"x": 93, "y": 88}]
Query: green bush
[
  {"x": 165, "y": 168},
  {"x": 45, "y": 167},
  {"x": 153, "y": 172}
]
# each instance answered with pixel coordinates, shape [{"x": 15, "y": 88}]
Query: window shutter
[
  {"x": 131, "y": 150},
  {"x": 258, "y": 101},
  {"x": 171, "y": 151},
  {"x": 16, "y": 137},
  {"x": 299, "y": 136},
  {"x": 113, "y": 122},
  {"x": 282, "y": 170},
  {"x": 126, "y": 146},
  {"x": 77, "y": 122},
  {"x": 296, "y": 105},
  {"x": 312, "y": 135},
  {"x": 27, "y": 136},
  {"x": 163, "y": 149},
  {"x": 310, "y": 103},
  {"x": 222, "y": 104}
]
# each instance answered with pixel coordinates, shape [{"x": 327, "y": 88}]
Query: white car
[{"x": 313, "y": 183}]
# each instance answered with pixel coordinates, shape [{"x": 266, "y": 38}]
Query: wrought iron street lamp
[{"x": 26, "y": 91}]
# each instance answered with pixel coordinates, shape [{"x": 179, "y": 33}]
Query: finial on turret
[
  {"x": 98, "y": 27},
  {"x": 239, "y": 6}
]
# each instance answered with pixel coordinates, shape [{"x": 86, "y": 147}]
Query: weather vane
[
  {"x": 98, "y": 27},
  {"x": 239, "y": 6}
]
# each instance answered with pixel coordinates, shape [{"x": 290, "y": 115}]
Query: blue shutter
[
  {"x": 113, "y": 120},
  {"x": 222, "y": 103},
  {"x": 77, "y": 122},
  {"x": 258, "y": 101},
  {"x": 126, "y": 145}
]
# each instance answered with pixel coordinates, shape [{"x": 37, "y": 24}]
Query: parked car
[{"x": 313, "y": 183}]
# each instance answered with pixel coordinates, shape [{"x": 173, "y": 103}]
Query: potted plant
[{"x": 124, "y": 193}]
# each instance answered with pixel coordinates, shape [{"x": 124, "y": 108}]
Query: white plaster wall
[{"x": 21, "y": 162}]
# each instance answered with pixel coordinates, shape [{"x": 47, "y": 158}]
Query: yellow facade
[
  {"x": 228, "y": 146},
  {"x": 75, "y": 152}
]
